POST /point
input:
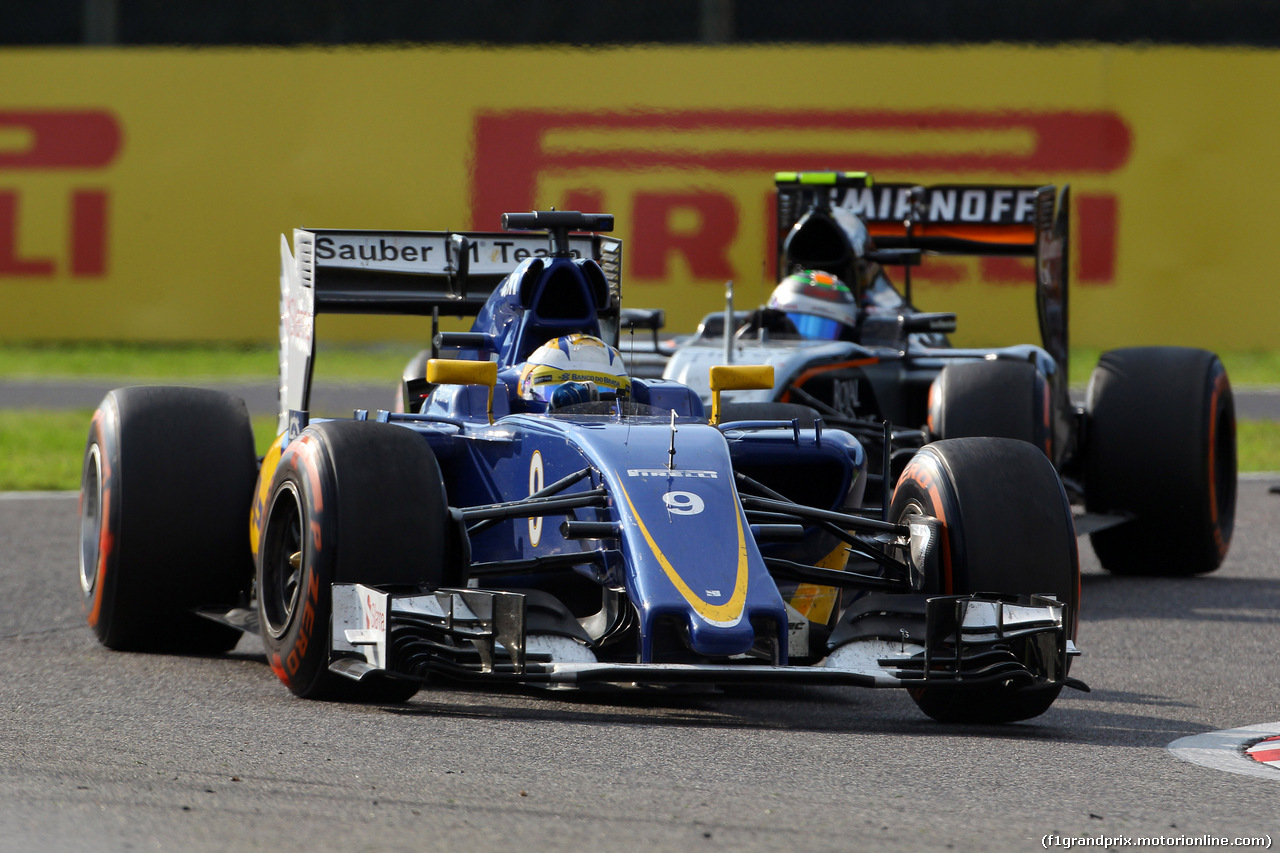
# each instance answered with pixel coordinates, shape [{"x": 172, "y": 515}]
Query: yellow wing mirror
[
  {"x": 453, "y": 371},
  {"x": 737, "y": 377}
]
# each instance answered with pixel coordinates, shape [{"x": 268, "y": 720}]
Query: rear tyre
[
  {"x": 1008, "y": 529},
  {"x": 1162, "y": 448},
  {"x": 350, "y": 502},
  {"x": 164, "y": 498},
  {"x": 1002, "y": 398}
]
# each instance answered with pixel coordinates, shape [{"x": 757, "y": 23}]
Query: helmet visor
[{"x": 814, "y": 327}]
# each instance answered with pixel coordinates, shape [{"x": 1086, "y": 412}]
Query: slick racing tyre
[
  {"x": 349, "y": 502},
  {"x": 164, "y": 499},
  {"x": 1008, "y": 529},
  {"x": 1162, "y": 449},
  {"x": 1002, "y": 398}
]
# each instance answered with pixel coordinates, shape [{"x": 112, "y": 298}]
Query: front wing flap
[{"x": 968, "y": 641}]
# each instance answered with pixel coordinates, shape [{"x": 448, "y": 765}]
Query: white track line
[
  {"x": 23, "y": 496},
  {"x": 1224, "y": 750}
]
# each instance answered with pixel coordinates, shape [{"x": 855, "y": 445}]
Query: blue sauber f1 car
[{"x": 539, "y": 516}]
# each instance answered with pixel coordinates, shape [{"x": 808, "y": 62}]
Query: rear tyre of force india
[
  {"x": 349, "y": 502},
  {"x": 1161, "y": 449},
  {"x": 1001, "y": 398},
  {"x": 1007, "y": 529},
  {"x": 164, "y": 495}
]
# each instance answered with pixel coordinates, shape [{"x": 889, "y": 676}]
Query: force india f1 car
[
  {"x": 1149, "y": 459},
  {"x": 542, "y": 518}
]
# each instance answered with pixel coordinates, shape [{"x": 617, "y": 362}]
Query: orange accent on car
[
  {"x": 1005, "y": 235},
  {"x": 826, "y": 368}
]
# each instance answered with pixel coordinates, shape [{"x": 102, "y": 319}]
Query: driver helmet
[
  {"x": 818, "y": 304},
  {"x": 573, "y": 369}
]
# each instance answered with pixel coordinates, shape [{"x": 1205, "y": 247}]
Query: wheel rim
[
  {"x": 282, "y": 560},
  {"x": 910, "y": 508},
  {"x": 913, "y": 509},
  {"x": 90, "y": 519}
]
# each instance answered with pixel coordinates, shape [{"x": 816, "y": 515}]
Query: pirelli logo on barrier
[
  {"x": 599, "y": 161},
  {"x": 73, "y": 147}
]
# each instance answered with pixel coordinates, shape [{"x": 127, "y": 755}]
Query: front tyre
[
  {"x": 350, "y": 502},
  {"x": 1007, "y": 529},
  {"x": 1162, "y": 449}
]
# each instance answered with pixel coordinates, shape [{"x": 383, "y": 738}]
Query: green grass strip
[
  {"x": 42, "y": 450},
  {"x": 1245, "y": 369},
  {"x": 374, "y": 363},
  {"x": 1258, "y": 445},
  {"x": 193, "y": 362}
]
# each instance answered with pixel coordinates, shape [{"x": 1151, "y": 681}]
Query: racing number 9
[{"x": 683, "y": 503}]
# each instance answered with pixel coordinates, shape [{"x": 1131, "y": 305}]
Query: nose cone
[
  {"x": 694, "y": 572},
  {"x": 682, "y": 638}
]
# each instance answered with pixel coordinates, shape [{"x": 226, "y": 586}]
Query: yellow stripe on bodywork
[
  {"x": 728, "y": 613},
  {"x": 258, "y": 511},
  {"x": 816, "y": 602}
]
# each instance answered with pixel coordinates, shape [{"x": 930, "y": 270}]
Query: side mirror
[
  {"x": 737, "y": 377},
  {"x": 643, "y": 318},
  {"x": 942, "y": 323},
  {"x": 650, "y": 319},
  {"x": 450, "y": 371}
]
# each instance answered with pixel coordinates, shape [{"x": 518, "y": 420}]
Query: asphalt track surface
[{"x": 114, "y": 751}]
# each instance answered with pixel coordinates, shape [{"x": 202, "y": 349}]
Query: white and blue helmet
[{"x": 573, "y": 360}]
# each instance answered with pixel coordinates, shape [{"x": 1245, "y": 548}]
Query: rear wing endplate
[{"x": 422, "y": 273}]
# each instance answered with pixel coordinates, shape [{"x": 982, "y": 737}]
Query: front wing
[{"x": 968, "y": 641}]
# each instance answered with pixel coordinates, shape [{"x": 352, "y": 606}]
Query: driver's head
[
  {"x": 818, "y": 304},
  {"x": 573, "y": 369}
]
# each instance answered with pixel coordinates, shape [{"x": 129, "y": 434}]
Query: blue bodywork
[
  {"x": 685, "y": 557},
  {"x": 622, "y": 537}
]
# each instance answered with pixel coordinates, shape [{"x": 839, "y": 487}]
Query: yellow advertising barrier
[{"x": 143, "y": 191}]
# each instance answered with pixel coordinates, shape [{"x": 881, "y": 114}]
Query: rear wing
[
  {"x": 423, "y": 273},
  {"x": 956, "y": 219},
  {"x": 970, "y": 219}
]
